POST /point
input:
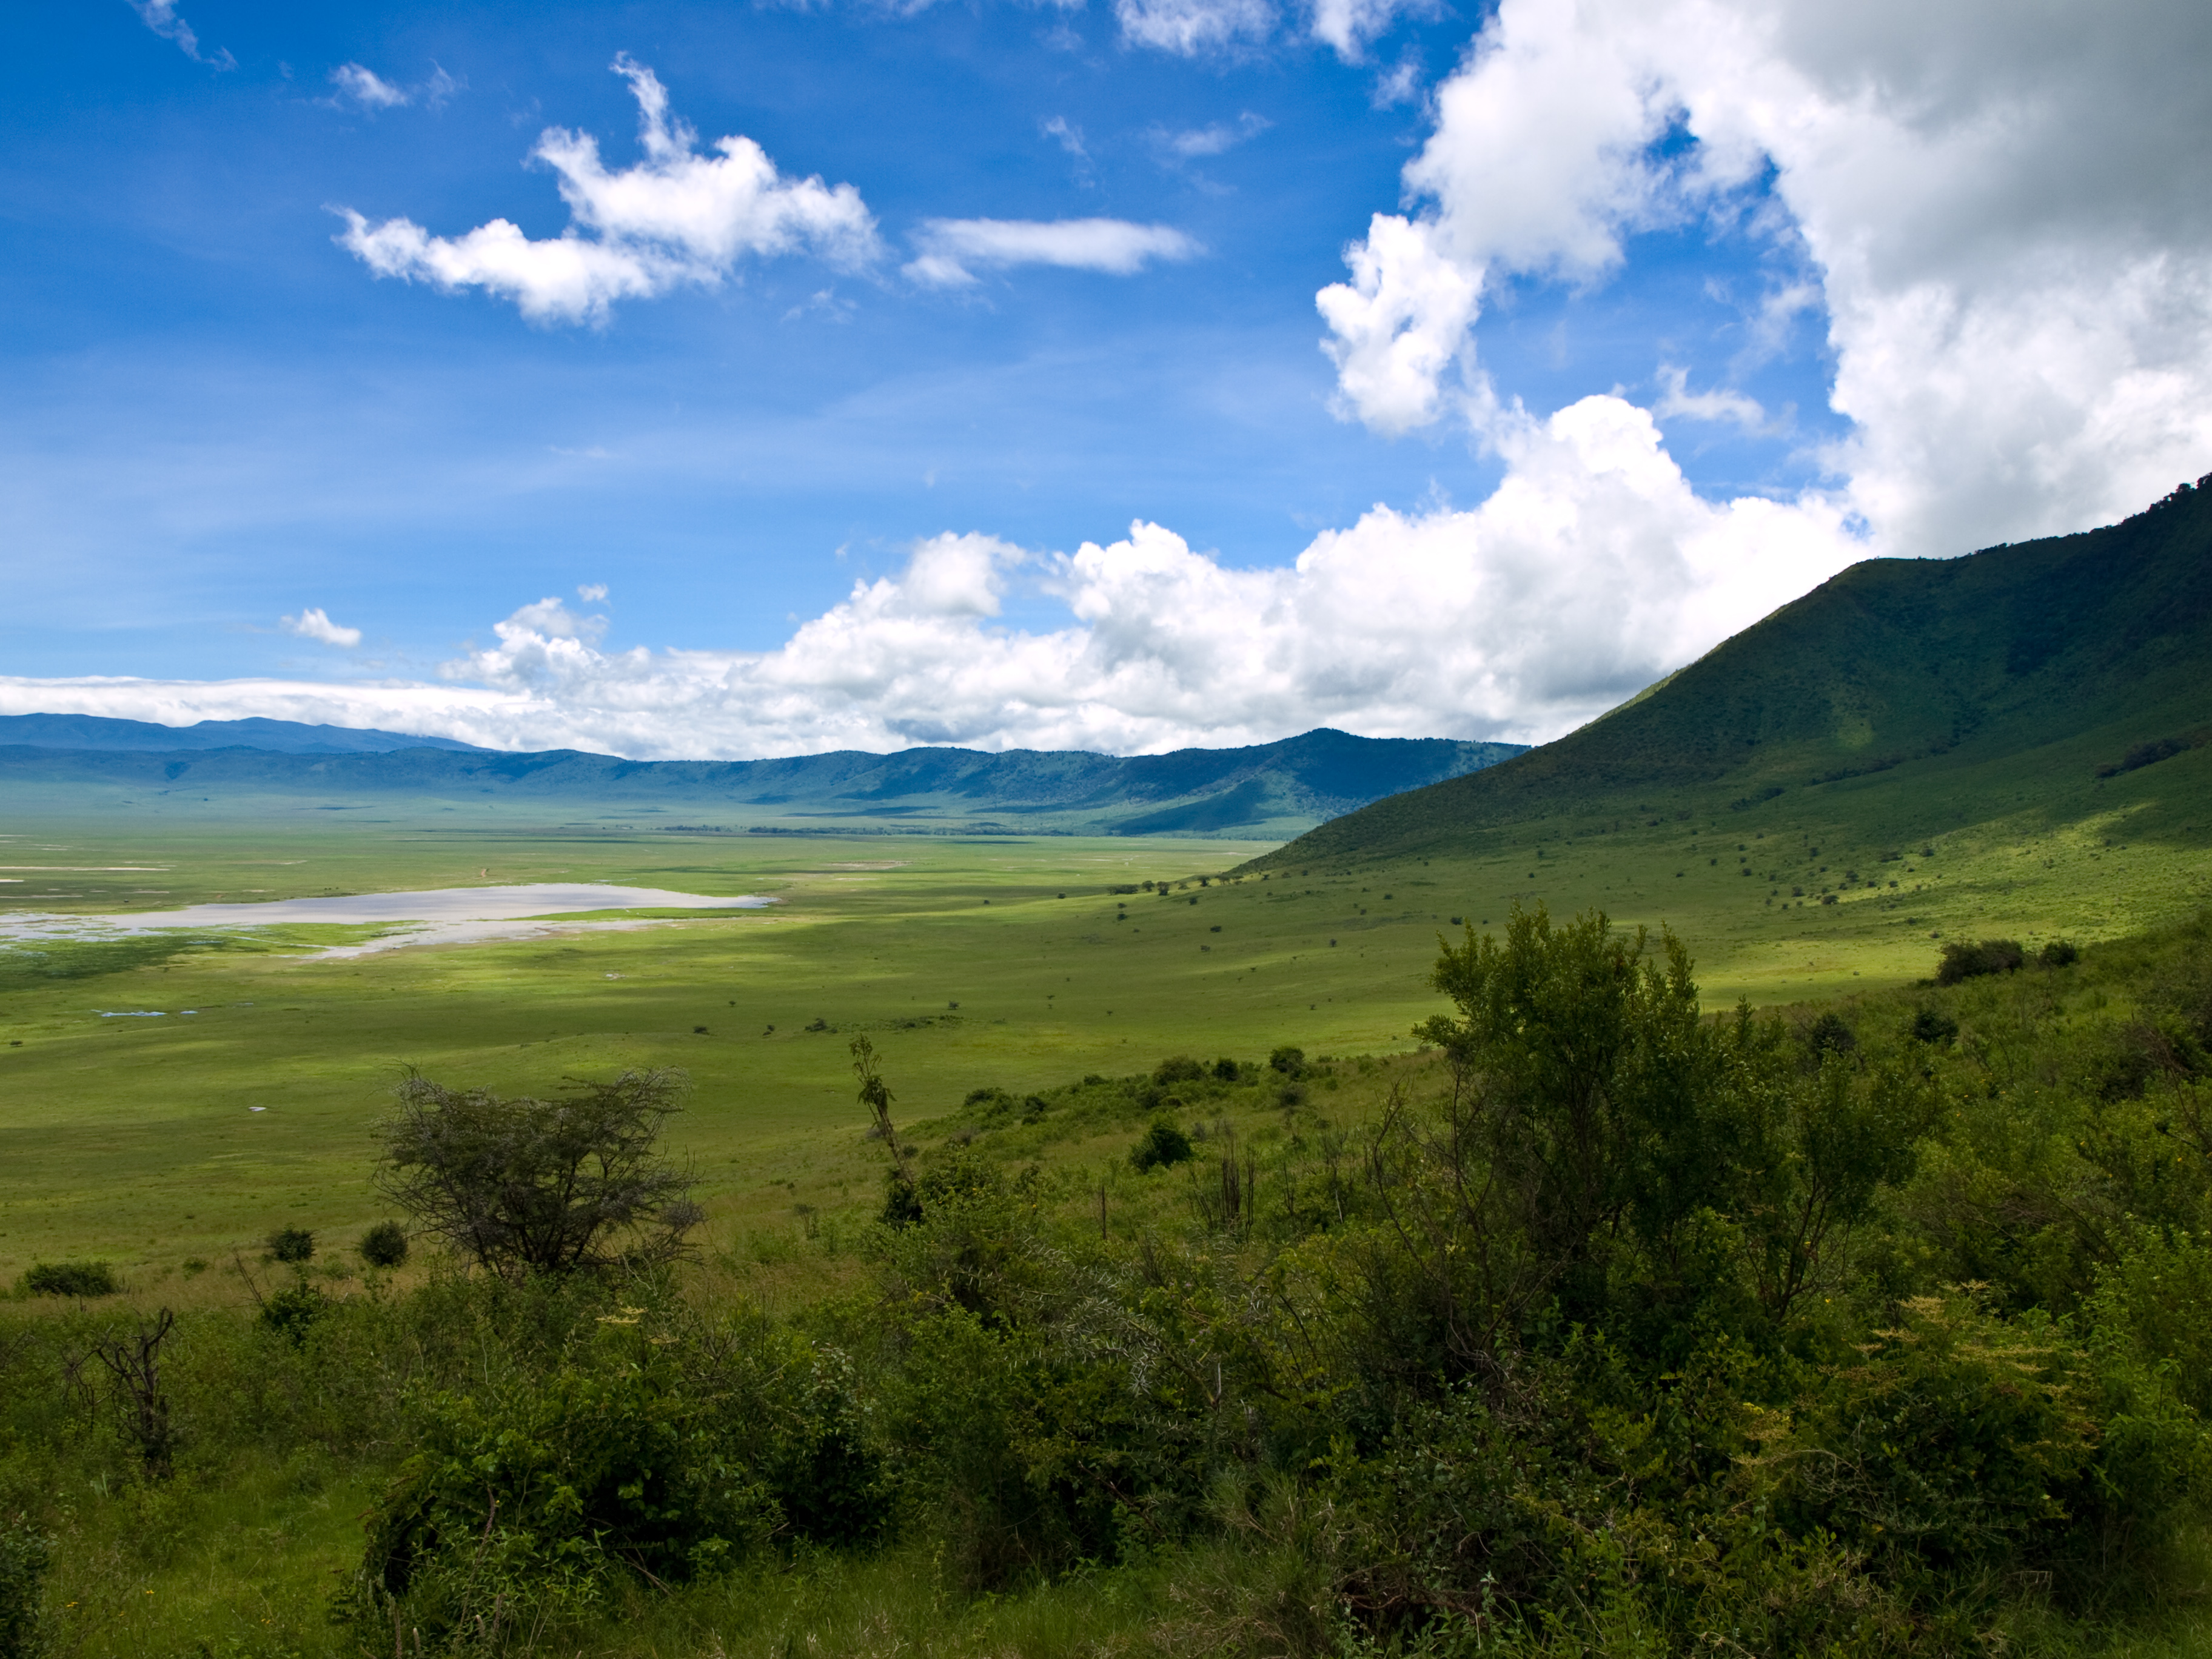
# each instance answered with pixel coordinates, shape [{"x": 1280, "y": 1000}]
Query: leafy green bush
[
  {"x": 1933, "y": 1026},
  {"x": 1287, "y": 1060},
  {"x": 2059, "y": 953},
  {"x": 1178, "y": 1068},
  {"x": 1018, "y": 1440},
  {"x": 292, "y": 1244},
  {"x": 535, "y": 1496},
  {"x": 289, "y": 1312},
  {"x": 1829, "y": 1035},
  {"x": 1964, "y": 1440},
  {"x": 384, "y": 1245},
  {"x": 1165, "y": 1144},
  {"x": 77, "y": 1278},
  {"x": 823, "y": 1469}
]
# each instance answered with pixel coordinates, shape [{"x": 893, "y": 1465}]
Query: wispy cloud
[
  {"x": 1067, "y": 135},
  {"x": 1347, "y": 26},
  {"x": 676, "y": 218},
  {"x": 1675, "y": 398},
  {"x": 362, "y": 87},
  {"x": 1399, "y": 84},
  {"x": 953, "y": 250},
  {"x": 314, "y": 624},
  {"x": 161, "y": 16},
  {"x": 1189, "y": 27},
  {"x": 366, "y": 88},
  {"x": 1192, "y": 143}
]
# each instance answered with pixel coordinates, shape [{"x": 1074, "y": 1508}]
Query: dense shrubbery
[
  {"x": 538, "y": 1491},
  {"x": 1991, "y": 955},
  {"x": 1611, "y": 1328}
]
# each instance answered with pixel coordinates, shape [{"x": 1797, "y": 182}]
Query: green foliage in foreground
[
  {"x": 23, "y": 1560},
  {"x": 1615, "y": 1329}
]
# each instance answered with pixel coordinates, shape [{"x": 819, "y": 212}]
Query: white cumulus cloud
[
  {"x": 2016, "y": 271},
  {"x": 951, "y": 250},
  {"x": 1593, "y": 570},
  {"x": 1397, "y": 324},
  {"x": 314, "y": 624},
  {"x": 676, "y": 216}
]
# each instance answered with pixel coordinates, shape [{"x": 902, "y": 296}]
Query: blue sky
[{"x": 214, "y": 417}]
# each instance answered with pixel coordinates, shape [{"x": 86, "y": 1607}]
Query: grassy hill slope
[{"x": 1903, "y": 699}]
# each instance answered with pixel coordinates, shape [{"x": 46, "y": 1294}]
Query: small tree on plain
[{"x": 526, "y": 1186}]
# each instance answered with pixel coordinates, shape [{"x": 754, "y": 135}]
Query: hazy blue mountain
[
  {"x": 282, "y": 737},
  {"x": 1261, "y": 792}
]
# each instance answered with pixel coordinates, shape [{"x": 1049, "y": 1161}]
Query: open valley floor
[{"x": 170, "y": 1095}]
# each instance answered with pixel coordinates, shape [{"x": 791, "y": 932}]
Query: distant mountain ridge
[
  {"x": 1919, "y": 689},
  {"x": 1263, "y": 791},
  {"x": 280, "y": 736}
]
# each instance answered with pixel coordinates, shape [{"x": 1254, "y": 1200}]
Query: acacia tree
[{"x": 527, "y": 1186}]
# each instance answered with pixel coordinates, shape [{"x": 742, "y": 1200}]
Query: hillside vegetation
[{"x": 1597, "y": 1327}]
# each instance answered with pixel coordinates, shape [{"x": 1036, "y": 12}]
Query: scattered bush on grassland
[
  {"x": 77, "y": 1278},
  {"x": 385, "y": 1245},
  {"x": 1165, "y": 1146}
]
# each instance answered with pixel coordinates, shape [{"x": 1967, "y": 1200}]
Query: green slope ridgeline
[{"x": 1902, "y": 700}]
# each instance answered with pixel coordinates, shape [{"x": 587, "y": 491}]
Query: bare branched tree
[
  {"x": 134, "y": 1360},
  {"x": 526, "y": 1186}
]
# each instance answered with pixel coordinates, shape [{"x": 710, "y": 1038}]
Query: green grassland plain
[{"x": 971, "y": 962}]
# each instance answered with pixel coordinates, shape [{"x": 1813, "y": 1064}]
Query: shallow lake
[{"x": 442, "y": 916}]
